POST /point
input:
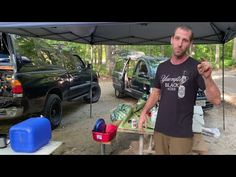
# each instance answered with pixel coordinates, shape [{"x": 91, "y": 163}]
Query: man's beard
[{"x": 180, "y": 54}]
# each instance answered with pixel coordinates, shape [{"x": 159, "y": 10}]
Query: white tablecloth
[{"x": 45, "y": 150}]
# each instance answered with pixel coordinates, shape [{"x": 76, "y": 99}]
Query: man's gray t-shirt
[{"x": 179, "y": 85}]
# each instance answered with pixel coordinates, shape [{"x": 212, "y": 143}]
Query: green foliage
[
  {"x": 77, "y": 48},
  {"x": 27, "y": 46},
  {"x": 101, "y": 70},
  {"x": 204, "y": 51},
  {"x": 200, "y": 51},
  {"x": 151, "y": 50},
  {"x": 229, "y": 63},
  {"x": 168, "y": 51}
]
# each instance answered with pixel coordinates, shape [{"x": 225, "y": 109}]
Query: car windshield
[{"x": 153, "y": 63}]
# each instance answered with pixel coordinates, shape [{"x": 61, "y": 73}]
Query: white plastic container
[
  {"x": 198, "y": 119},
  {"x": 134, "y": 123},
  {"x": 154, "y": 111}
]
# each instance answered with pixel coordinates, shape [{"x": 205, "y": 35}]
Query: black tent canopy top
[{"x": 121, "y": 33}]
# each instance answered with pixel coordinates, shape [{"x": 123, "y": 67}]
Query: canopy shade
[
  {"x": 128, "y": 33},
  {"x": 121, "y": 33}
]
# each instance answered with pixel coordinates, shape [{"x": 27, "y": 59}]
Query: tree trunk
[
  {"x": 95, "y": 54},
  {"x": 109, "y": 50},
  {"x": 91, "y": 54},
  {"x": 210, "y": 59},
  {"x": 108, "y": 54},
  {"x": 234, "y": 50},
  {"x": 100, "y": 55},
  {"x": 217, "y": 56}
]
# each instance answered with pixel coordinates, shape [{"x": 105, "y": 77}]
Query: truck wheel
[
  {"x": 118, "y": 94},
  {"x": 96, "y": 93},
  {"x": 53, "y": 110}
]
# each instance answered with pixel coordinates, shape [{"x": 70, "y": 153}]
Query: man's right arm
[{"x": 152, "y": 100}]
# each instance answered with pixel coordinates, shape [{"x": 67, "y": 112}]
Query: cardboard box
[{"x": 199, "y": 145}]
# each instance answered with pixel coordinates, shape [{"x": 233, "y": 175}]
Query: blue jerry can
[{"x": 30, "y": 135}]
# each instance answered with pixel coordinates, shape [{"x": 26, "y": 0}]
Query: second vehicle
[{"x": 134, "y": 73}]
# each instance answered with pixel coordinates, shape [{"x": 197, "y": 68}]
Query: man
[{"x": 175, "y": 86}]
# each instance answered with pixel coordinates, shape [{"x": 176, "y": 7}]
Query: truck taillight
[{"x": 16, "y": 87}]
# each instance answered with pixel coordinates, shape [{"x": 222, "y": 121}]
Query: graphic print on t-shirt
[{"x": 174, "y": 83}]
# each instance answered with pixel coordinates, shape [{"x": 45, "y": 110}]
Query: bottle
[{"x": 134, "y": 123}]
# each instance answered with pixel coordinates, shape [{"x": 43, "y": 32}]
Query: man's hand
[
  {"x": 212, "y": 91},
  {"x": 142, "y": 120},
  {"x": 204, "y": 69}
]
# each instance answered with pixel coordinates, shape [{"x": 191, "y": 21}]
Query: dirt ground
[{"x": 75, "y": 130}]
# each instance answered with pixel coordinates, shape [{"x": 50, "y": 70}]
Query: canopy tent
[
  {"x": 120, "y": 33},
  {"x": 125, "y": 33}
]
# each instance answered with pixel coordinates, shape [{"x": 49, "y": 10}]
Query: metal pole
[
  {"x": 223, "y": 88},
  {"x": 103, "y": 147},
  {"x": 91, "y": 80},
  {"x": 141, "y": 136},
  {"x": 150, "y": 144}
]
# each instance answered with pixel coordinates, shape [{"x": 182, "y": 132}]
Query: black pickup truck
[{"x": 35, "y": 78}]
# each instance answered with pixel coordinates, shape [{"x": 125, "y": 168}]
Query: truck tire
[
  {"x": 96, "y": 93},
  {"x": 118, "y": 94},
  {"x": 53, "y": 110}
]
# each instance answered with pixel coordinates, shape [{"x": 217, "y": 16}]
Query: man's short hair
[{"x": 186, "y": 28}]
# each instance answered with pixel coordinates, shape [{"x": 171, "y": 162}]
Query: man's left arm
[{"x": 212, "y": 91}]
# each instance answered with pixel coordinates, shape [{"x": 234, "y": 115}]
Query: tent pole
[
  {"x": 91, "y": 80},
  {"x": 223, "y": 82},
  {"x": 227, "y": 36}
]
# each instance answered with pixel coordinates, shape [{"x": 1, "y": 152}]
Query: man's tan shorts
[{"x": 167, "y": 145}]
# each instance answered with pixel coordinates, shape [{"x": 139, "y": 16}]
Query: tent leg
[
  {"x": 223, "y": 90},
  {"x": 91, "y": 78}
]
